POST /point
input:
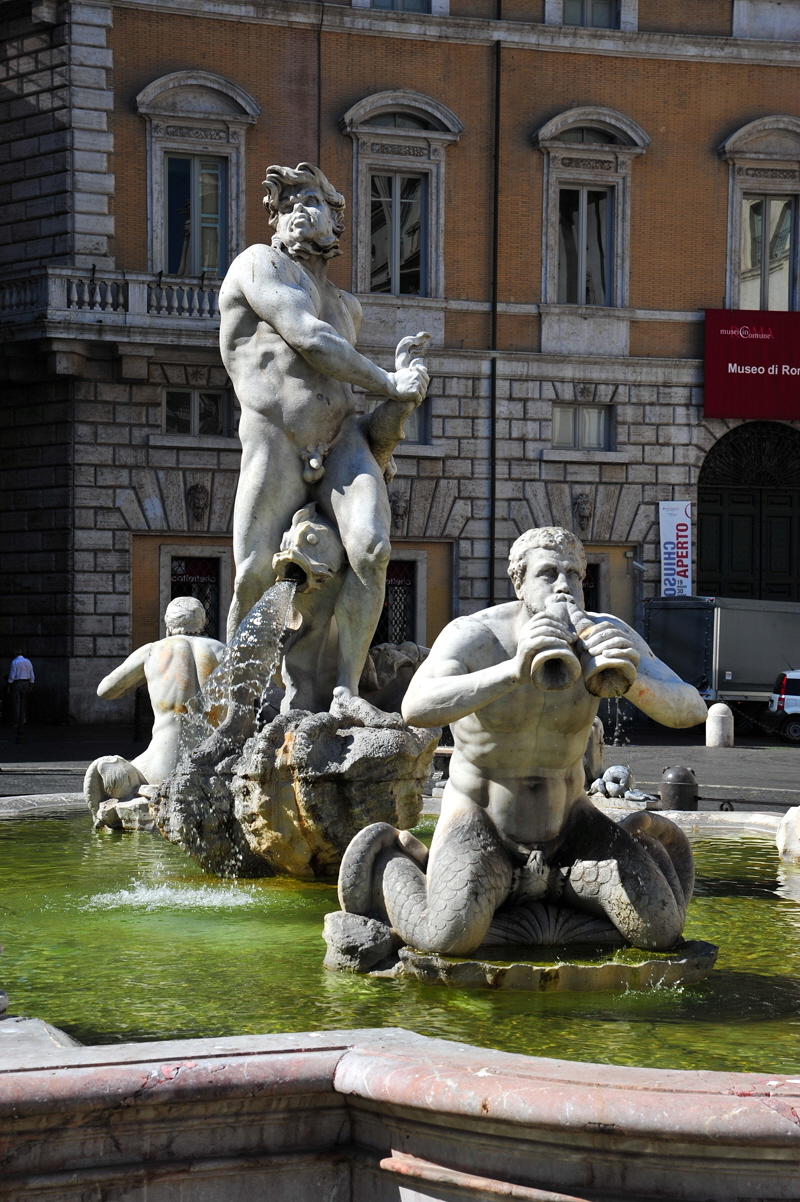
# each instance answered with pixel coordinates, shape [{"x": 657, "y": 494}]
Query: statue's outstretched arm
[
  {"x": 276, "y": 296},
  {"x": 658, "y": 691},
  {"x": 129, "y": 675},
  {"x": 443, "y": 689}
]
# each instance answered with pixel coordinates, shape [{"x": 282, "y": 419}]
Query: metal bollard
[
  {"x": 719, "y": 725},
  {"x": 679, "y": 789}
]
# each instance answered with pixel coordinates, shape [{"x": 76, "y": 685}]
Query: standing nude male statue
[
  {"x": 174, "y": 670},
  {"x": 520, "y": 854},
  {"x": 287, "y": 338}
]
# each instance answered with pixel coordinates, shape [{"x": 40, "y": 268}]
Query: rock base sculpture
[
  {"x": 291, "y": 800},
  {"x": 688, "y": 962},
  {"x": 308, "y": 783}
]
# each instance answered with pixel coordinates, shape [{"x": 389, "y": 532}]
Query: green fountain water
[{"x": 121, "y": 937}]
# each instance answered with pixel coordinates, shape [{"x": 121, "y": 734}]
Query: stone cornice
[{"x": 555, "y": 38}]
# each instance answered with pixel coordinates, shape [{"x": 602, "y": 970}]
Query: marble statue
[
  {"x": 520, "y": 854},
  {"x": 174, "y": 670},
  {"x": 287, "y": 338}
]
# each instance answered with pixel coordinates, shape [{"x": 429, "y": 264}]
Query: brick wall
[
  {"x": 36, "y": 524},
  {"x": 679, "y": 188},
  {"x": 54, "y": 138},
  {"x": 711, "y": 17}
]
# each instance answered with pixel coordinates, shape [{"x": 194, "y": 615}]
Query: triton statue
[{"x": 520, "y": 854}]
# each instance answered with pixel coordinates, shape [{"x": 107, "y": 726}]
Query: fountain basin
[
  {"x": 116, "y": 936},
  {"x": 374, "y": 1115}
]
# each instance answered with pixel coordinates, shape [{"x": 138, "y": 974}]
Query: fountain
[{"x": 303, "y": 750}]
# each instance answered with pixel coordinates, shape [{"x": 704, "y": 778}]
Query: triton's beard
[{"x": 309, "y": 247}]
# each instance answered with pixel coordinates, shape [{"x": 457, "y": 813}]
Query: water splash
[
  {"x": 222, "y": 712},
  {"x": 183, "y": 897}
]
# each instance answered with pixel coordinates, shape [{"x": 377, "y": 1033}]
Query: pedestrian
[{"x": 20, "y": 679}]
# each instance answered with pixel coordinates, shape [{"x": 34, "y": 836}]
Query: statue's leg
[
  {"x": 637, "y": 873},
  {"x": 353, "y": 494},
  {"x": 270, "y": 490},
  {"x": 449, "y": 908}
]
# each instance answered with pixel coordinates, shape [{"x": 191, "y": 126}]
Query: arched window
[
  {"x": 196, "y": 123},
  {"x": 399, "y": 143},
  {"x": 588, "y": 154},
  {"x": 763, "y": 242}
]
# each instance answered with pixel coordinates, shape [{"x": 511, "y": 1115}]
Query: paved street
[{"x": 759, "y": 773}]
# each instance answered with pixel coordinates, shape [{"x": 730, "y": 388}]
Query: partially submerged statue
[
  {"x": 520, "y": 855},
  {"x": 174, "y": 670},
  {"x": 287, "y": 337}
]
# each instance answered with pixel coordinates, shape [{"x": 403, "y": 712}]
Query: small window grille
[
  {"x": 396, "y": 623},
  {"x": 198, "y": 576}
]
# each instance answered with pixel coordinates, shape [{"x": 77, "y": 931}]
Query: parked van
[{"x": 785, "y": 699}]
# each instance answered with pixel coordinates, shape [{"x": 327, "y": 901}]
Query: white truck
[{"x": 743, "y": 652}]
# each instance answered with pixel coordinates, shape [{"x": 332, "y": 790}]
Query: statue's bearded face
[
  {"x": 306, "y": 224},
  {"x": 550, "y": 574}
]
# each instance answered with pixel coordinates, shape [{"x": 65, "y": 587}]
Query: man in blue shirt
[{"x": 20, "y": 679}]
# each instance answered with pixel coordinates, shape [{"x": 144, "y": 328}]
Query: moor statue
[
  {"x": 174, "y": 669},
  {"x": 520, "y": 854},
  {"x": 287, "y": 339}
]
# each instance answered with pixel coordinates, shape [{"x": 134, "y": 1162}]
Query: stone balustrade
[{"x": 64, "y": 299}]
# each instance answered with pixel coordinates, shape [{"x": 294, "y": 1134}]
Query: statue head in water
[{"x": 185, "y": 615}]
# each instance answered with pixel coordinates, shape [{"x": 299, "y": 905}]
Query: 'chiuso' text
[{"x": 675, "y": 561}]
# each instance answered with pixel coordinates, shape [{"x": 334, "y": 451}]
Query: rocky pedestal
[
  {"x": 308, "y": 783},
  {"x": 291, "y": 799}
]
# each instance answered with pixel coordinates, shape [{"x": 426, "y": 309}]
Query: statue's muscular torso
[
  {"x": 275, "y": 384},
  {"x": 521, "y": 756}
]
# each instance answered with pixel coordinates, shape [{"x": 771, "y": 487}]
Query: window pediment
[
  {"x": 627, "y": 136},
  {"x": 442, "y": 123},
  {"x": 200, "y": 95},
  {"x": 776, "y": 137}
]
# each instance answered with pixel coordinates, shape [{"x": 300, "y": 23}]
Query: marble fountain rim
[{"x": 412, "y": 1107}]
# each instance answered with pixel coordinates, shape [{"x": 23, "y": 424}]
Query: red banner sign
[{"x": 752, "y": 364}]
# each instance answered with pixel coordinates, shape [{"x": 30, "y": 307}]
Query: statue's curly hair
[
  {"x": 278, "y": 179},
  {"x": 185, "y": 615},
  {"x": 546, "y": 538}
]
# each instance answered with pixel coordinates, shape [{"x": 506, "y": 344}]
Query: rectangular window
[
  {"x": 584, "y": 219},
  {"x": 404, "y": 6},
  {"x": 196, "y": 226},
  {"x": 197, "y": 411},
  {"x": 398, "y": 235},
  {"x": 581, "y": 427},
  {"x": 769, "y": 237},
  {"x": 396, "y": 623},
  {"x": 597, "y": 14},
  {"x": 198, "y": 577}
]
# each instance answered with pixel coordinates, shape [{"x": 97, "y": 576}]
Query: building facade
[{"x": 556, "y": 189}]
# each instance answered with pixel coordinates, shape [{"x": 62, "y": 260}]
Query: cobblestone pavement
[{"x": 759, "y": 772}]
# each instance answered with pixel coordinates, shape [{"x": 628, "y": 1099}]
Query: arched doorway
[{"x": 748, "y": 522}]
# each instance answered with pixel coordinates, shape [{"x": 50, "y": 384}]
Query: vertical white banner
[{"x": 676, "y": 548}]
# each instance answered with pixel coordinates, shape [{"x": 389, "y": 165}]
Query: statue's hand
[
  {"x": 606, "y": 639},
  {"x": 410, "y": 376},
  {"x": 410, "y": 383},
  {"x": 542, "y": 632}
]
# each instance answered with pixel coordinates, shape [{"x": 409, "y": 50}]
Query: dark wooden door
[{"x": 748, "y": 543}]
